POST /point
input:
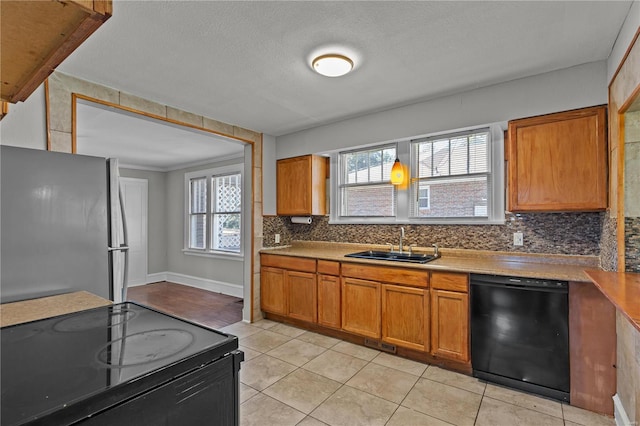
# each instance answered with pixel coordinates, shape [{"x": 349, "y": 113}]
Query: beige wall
[{"x": 60, "y": 127}]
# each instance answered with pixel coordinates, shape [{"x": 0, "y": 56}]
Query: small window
[
  {"x": 214, "y": 214},
  {"x": 364, "y": 188},
  {"x": 451, "y": 172}
]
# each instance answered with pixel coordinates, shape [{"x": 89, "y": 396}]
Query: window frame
[
  {"x": 210, "y": 174},
  {"x": 495, "y": 184}
]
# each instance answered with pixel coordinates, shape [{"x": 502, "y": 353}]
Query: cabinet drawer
[
  {"x": 451, "y": 281},
  {"x": 328, "y": 267},
  {"x": 288, "y": 262},
  {"x": 404, "y": 276}
]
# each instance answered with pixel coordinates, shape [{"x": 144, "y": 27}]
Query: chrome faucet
[{"x": 401, "y": 238}]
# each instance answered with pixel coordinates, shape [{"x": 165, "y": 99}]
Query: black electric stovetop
[{"x": 85, "y": 362}]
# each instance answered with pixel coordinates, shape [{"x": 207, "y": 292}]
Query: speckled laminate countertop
[
  {"x": 45, "y": 307},
  {"x": 546, "y": 266}
]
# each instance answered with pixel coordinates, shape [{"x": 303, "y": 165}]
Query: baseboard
[
  {"x": 619, "y": 413},
  {"x": 206, "y": 284},
  {"x": 156, "y": 277}
]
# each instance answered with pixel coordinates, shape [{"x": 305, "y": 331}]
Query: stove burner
[
  {"x": 94, "y": 319},
  {"x": 145, "y": 347},
  {"x": 15, "y": 335}
]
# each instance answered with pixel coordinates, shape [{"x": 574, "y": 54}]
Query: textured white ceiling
[
  {"x": 143, "y": 142},
  {"x": 247, "y": 63}
]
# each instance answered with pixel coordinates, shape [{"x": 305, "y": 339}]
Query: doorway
[{"x": 141, "y": 142}]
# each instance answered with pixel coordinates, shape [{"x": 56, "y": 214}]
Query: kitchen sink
[{"x": 393, "y": 256}]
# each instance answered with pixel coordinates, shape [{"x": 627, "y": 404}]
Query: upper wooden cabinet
[
  {"x": 38, "y": 35},
  {"x": 558, "y": 162},
  {"x": 301, "y": 186}
]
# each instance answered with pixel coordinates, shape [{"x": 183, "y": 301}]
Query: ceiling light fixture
[{"x": 332, "y": 65}]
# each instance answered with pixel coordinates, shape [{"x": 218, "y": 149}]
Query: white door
[{"x": 134, "y": 193}]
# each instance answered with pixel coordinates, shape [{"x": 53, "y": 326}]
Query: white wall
[
  {"x": 156, "y": 220},
  {"x": 570, "y": 88},
  {"x": 627, "y": 32},
  {"x": 25, "y": 125}
]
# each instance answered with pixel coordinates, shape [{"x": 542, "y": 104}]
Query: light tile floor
[{"x": 295, "y": 377}]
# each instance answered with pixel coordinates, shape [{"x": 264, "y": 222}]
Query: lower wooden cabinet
[
  {"x": 273, "y": 296},
  {"x": 361, "y": 307},
  {"x": 302, "y": 295},
  {"x": 329, "y": 296},
  {"x": 450, "y": 324},
  {"x": 405, "y": 317}
]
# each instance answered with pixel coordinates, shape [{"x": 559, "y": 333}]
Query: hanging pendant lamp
[{"x": 397, "y": 173}]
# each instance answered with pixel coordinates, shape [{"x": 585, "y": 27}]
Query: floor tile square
[
  {"x": 525, "y": 400},
  {"x": 249, "y": 353},
  {"x": 265, "y": 324},
  {"x": 296, "y": 352},
  {"x": 262, "y": 410},
  {"x": 287, "y": 330},
  {"x": 264, "y": 341},
  {"x": 335, "y": 366},
  {"x": 240, "y": 329},
  {"x": 358, "y": 351},
  {"x": 351, "y": 407},
  {"x": 493, "y": 412},
  {"x": 318, "y": 339},
  {"x": 302, "y": 390},
  {"x": 454, "y": 379},
  {"x": 246, "y": 392},
  {"x": 263, "y": 371},
  {"x": 402, "y": 364},
  {"x": 385, "y": 382},
  {"x": 406, "y": 417},
  {"x": 444, "y": 402},
  {"x": 585, "y": 417}
]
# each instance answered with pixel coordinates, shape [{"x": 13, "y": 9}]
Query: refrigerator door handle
[
  {"x": 125, "y": 244},
  {"x": 121, "y": 248}
]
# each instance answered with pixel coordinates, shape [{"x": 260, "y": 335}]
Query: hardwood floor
[{"x": 213, "y": 310}]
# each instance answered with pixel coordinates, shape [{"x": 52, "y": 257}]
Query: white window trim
[
  {"x": 209, "y": 173},
  {"x": 496, "y": 185}
]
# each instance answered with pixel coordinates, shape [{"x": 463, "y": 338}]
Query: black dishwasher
[{"x": 520, "y": 333}]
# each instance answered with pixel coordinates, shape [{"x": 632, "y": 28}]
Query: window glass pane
[
  {"x": 456, "y": 197},
  {"x": 368, "y": 166},
  {"x": 478, "y": 148},
  {"x": 440, "y": 158},
  {"x": 228, "y": 193},
  {"x": 226, "y": 235},
  {"x": 372, "y": 200},
  {"x": 197, "y": 230},
  {"x": 198, "y": 188},
  {"x": 459, "y": 156}
]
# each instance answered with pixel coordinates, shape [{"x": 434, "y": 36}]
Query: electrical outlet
[
  {"x": 518, "y": 239},
  {"x": 278, "y": 238}
]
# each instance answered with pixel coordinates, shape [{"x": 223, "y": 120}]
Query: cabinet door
[
  {"x": 405, "y": 317},
  {"x": 329, "y": 301},
  {"x": 303, "y": 302},
  {"x": 558, "y": 162},
  {"x": 450, "y": 325},
  {"x": 272, "y": 290},
  {"x": 300, "y": 186},
  {"x": 361, "y": 307}
]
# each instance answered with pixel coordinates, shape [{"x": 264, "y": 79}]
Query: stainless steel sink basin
[{"x": 393, "y": 256}]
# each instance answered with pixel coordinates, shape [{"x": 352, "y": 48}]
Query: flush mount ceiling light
[{"x": 332, "y": 65}]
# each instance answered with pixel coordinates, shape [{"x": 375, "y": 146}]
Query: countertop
[
  {"x": 622, "y": 289},
  {"x": 45, "y": 307},
  {"x": 545, "y": 266}
]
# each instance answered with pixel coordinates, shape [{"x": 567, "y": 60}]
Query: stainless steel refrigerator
[{"x": 62, "y": 225}]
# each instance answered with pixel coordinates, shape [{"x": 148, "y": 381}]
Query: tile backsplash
[{"x": 554, "y": 233}]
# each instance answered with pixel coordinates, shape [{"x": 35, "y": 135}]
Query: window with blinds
[
  {"x": 450, "y": 175},
  {"x": 364, "y": 187}
]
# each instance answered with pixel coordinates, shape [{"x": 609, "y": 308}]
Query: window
[
  {"x": 214, "y": 210},
  {"x": 365, "y": 188},
  {"x": 452, "y": 173},
  {"x": 455, "y": 177}
]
